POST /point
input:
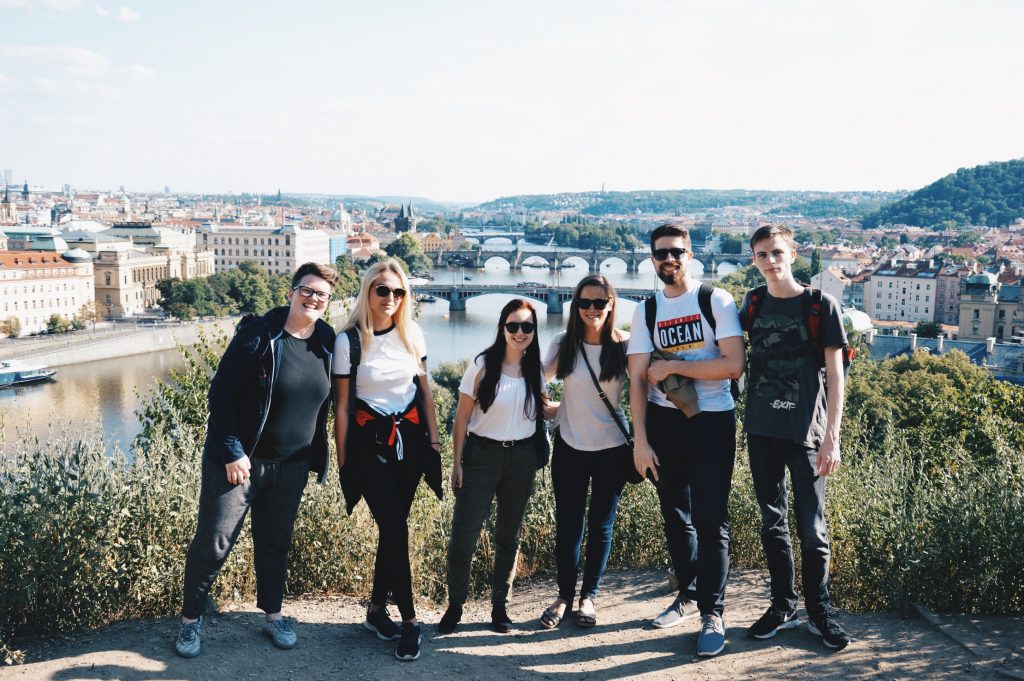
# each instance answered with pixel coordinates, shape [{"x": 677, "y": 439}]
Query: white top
[
  {"x": 583, "y": 420},
  {"x": 680, "y": 328},
  {"x": 505, "y": 418},
  {"x": 384, "y": 378}
]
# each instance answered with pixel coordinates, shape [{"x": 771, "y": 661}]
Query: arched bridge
[
  {"x": 553, "y": 296},
  {"x": 554, "y": 256}
]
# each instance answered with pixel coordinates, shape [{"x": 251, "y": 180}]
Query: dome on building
[
  {"x": 857, "y": 320},
  {"x": 984, "y": 278},
  {"x": 76, "y": 255}
]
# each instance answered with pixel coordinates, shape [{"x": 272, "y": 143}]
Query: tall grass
[{"x": 917, "y": 514}]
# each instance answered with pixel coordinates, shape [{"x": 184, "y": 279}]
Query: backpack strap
[
  {"x": 704, "y": 301},
  {"x": 754, "y": 300},
  {"x": 812, "y": 310},
  {"x": 650, "y": 313},
  {"x": 355, "y": 351}
]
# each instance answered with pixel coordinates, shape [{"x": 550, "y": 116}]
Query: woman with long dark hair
[
  {"x": 501, "y": 400},
  {"x": 386, "y": 436},
  {"x": 590, "y": 447}
]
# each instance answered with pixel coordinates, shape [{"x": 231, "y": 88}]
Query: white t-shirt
[
  {"x": 384, "y": 378},
  {"x": 680, "y": 328},
  {"x": 583, "y": 420},
  {"x": 505, "y": 418}
]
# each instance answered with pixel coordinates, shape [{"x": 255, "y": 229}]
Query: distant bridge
[
  {"x": 555, "y": 256},
  {"x": 554, "y": 296}
]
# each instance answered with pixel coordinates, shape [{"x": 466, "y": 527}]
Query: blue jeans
[
  {"x": 572, "y": 472},
  {"x": 696, "y": 458},
  {"x": 769, "y": 459}
]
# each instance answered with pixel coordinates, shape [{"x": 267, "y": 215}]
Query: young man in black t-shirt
[{"x": 794, "y": 409}]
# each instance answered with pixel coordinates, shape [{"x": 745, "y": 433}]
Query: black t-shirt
[
  {"x": 301, "y": 387},
  {"x": 786, "y": 393}
]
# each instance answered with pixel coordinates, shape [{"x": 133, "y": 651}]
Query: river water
[{"x": 102, "y": 397}]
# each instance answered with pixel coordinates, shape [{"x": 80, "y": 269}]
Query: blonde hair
[{"x": 362, "y": 319}]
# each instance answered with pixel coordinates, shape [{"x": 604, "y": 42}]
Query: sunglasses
[
  {"x": 598, "y": 303},
  {"x": 307, "y": 292},
  {"x": 661, "y": 254},
  {"x": 513, "y": 327},
  {"x": 384, "y": 291}
]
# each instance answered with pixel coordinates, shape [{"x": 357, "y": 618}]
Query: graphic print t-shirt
[
  {"x": 786, "y": 394},
  {"x": 681, "y": 329}
]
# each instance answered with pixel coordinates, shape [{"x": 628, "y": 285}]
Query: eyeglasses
[
  {"x": 598, "y": 303},
  {"x": 307, "y": 292},
  {"x": 513, "y": 327},
  {"x": 661, "y": 254},
  {"x": 384, "y": 291}
]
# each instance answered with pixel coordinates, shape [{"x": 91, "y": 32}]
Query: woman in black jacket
[{"x": 267, "y": 430}]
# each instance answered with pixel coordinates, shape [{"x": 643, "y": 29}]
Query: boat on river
[{"x": 16, "y": 372}]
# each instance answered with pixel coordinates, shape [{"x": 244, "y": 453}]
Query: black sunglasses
[
  {"x": 513, "y": 327},
  {"x": 383, "y": 291},
  {"x": 661, "y": 254},
  {"x": 598, "y": 303}
]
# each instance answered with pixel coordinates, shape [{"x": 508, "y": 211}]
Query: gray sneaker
[
  {"x": 711, "y": 639},
  {"x": 188, "y": 643},
  {"x": 281, "y": 633},
  {"x": 677, "y": 613}
]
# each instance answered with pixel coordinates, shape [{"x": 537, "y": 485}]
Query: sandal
[
  {"x": 549, "y": 619},
  {"x": 583, "y": 619}
]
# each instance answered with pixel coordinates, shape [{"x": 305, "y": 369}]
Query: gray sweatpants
[{"x": 273, "y": 491}]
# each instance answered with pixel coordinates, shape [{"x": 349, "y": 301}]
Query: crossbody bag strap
[{"x": 604, "y": 398}]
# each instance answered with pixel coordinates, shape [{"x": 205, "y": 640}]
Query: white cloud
[
  {"x": 72, "y": 61},
  {"x": 102, "y": 11},
  {"x": 74, "y": 88},
  {"x": 127, "y": 14},
  {"x": 137, "y": 71},
  {"x": 6, "y": 84},
  {"x": 59, "y": 5}
]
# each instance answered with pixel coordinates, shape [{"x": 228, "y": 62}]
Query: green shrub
[{"x": 926, "y": 507}]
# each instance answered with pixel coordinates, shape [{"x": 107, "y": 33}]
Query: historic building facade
[{"x": 35, "y": 285}]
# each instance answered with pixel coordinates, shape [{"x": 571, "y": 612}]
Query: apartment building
[
  {"x": 35, "y": 285},
  {"x": 277, "y": 249},
  {"x": 902, "y": 291}
]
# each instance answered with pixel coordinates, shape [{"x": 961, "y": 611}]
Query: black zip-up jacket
[{"x": 240, "y": 391}]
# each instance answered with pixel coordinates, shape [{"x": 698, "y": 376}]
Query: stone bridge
[
  {"x": 553, "y": 296},
  {"x": 554, "y": 257}
]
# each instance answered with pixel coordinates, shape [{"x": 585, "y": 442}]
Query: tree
[
  {"x": 11, "y": 327},
  {"x": 925, "y": 329},
  {"x": 816, "y": 261},
  {"x": 57, "y": 324},
  {"x": 410, "y": 250},
  {"x": 348, "y": 277},
  {"x": 88, "y": 314}
]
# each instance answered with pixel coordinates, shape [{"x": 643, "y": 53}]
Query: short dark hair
[
  {"x": 673, "y": 230},
  {"x": 325, "y": 272},
  {"x": 773, "y": 230}
]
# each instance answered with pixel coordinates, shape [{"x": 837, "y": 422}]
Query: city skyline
[{"x": 458, "y": 102}]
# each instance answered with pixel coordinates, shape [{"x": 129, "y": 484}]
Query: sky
[{"x": 469, "y": 100}]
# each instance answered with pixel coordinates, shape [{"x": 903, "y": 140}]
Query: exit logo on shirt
[{"x": 681, "y": 333}]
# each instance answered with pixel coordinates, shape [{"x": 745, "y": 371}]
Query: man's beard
[{"x": 673, "y": 279}]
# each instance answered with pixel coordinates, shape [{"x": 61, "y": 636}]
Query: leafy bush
[{"x": 926, "y": 507}]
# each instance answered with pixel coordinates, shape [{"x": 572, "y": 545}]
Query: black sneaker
[
  {"x": 500, "y": 621},
  {"x": 409, "y": 644},
  {"x": 450, "y": 620},
  {"x": 825, "y": 626},
  {"x": 771, "y": 622},
  {"x": 379, "y": 623}
]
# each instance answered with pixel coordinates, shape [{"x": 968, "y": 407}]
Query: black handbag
[{"x": 628, "y": 469}]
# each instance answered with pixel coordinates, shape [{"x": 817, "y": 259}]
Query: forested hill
[
  {"x": 807, "y": 203},
  {"x": 991, "y": 195}
]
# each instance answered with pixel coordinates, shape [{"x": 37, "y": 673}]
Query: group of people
[{"x": 282, "y": 373}]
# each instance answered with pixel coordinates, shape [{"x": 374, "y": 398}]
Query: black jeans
[
  {"x": 389, "y": 489},
  {"x": 769, "y": 459},
  {"x": 273, "y": 491},
  {"x": 696, "y": 457},
  {"x": 572, "y": 472}
]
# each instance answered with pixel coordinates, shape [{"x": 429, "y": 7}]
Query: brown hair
[
  {"x": 613, "y": 355},
  {"x": 325, "y": 272},
  {"x": 771, "y": 231},
  {"x": 670, "y": 229}
]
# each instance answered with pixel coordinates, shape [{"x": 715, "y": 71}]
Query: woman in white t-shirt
[
  {"x": 591, "y": 446},
  {"x": 497, "y": 454},
  {"x": 386, "y": 436}
]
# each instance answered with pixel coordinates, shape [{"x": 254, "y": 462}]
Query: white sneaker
[{"x": 677, "y": 613}]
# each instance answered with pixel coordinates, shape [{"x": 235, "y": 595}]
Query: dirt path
[{"x": 334, "y": 645}]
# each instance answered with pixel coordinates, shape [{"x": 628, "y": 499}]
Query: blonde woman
[{"x": 386, "y": 436}]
